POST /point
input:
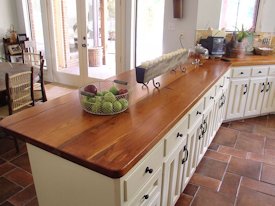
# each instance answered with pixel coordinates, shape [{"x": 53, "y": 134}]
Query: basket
[
  {"x": 264, "y": 51},
  {"x": 110, "y": 97}
]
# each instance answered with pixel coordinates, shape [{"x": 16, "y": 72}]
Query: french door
[{"x": 80, "y": 39}]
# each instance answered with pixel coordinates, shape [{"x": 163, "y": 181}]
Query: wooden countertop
[
  {"x": 249, "y": 60},
  {"x": 112, "y": 145}
]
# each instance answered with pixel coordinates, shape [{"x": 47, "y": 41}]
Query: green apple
[
  {"x": 91, "y": 99},
  {"x": 107, "y": 107},
  {"x": 124, "y": 103},
  {"x": 117, "y": 106},
  {"x": 99, "y": 94},
  {"x": 96, "y": 107},
  {"x": 114, "y": 90},
  {"x": 109, "y": 97}
]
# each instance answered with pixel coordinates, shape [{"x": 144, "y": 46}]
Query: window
[
  {"x": 235, "y": 13},
  {"x": 149, "y": 29}
]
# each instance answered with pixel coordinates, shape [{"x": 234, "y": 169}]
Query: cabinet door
[
  {"x": 269, "y": 97},
  {"x": 171, "y": 177},
  {"x": 255, "y": 96},
  {"x": 192, "y": 147},
  {"x": 238, "y": 91},
  {"x": 206, "y": 131},
  {"x": 216, "y": 114}
]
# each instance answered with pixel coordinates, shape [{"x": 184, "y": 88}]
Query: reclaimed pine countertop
[
  {"x": 250, "y": 60},
  {"x": 112, "y": 145}
]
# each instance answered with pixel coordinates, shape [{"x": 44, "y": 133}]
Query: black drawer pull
[
  {"x": 186, "y": 154},
  {"x": 146, "y": 197},
  {"x": 211, "y": 97},
  {"x": 179, "y": 135},
  {"x": 221, "y": 86},
  {"x": 241, "y": 73},
  {"x": 148, "y": 170},
  {"x": 245, "y": 86},
  {"x": 198, "y": 112},
  {"x": 259, "y": 72},
  {"x": 263, "y": 84}
]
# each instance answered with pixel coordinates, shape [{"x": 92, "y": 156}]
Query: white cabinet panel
[
  {"x": 237, "y": 98},
  {"x": 171, "y": 175},
  {"x": 269, "y": 97},
  {"x": 255, "y": 96}
]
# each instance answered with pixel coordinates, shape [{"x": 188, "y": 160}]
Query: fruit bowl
[{"x": 104, "y": 97}]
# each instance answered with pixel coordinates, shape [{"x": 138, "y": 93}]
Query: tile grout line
[
  {"x": 238, "y": 190},
  {"x": 224, "y": 173},
  {"x": 199, "y": 187}
]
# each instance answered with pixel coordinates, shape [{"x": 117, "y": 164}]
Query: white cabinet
[
  {"x": 193, "y": 140},
  {"x": 238, "y": 92},
  {"x": 150, "y": 193},
  {"x": 256, "y": 91},
  {"x": 206, "y": 127},
  {"x": 251, "y": 96},
  {"x": 269, "y": 96},
  {"x": 172, "y": 175}
]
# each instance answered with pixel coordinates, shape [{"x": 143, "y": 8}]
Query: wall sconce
[{"x": 178, "y": 8}]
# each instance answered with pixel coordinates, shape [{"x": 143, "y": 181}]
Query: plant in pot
[{"x": 235, "y": 48}]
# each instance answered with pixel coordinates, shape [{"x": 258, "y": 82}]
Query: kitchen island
[{"x": 71, "y": 150}]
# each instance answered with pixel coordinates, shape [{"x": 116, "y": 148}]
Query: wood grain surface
[
  {"x": 112, "y": 145},
  {"x": 249, "y": 60}
]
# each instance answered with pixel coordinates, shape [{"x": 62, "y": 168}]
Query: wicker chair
[
  {"x": 36, "y": 60},
  {"x": 19, "y": 89},
  {"x": 19, "y": 93}
]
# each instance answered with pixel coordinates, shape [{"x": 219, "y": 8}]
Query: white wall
[
  {"x": 266, "y": 16},
  {"x": 8, "y": 11},
  {"x": 174, "y": 27},
  {"x": 209, "y": 12}
]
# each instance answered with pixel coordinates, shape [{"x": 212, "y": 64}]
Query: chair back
[
  {"x": 30, "y": 46},
  {"x": 19, "y": 90},
  {"x": 33, "y": 59}
]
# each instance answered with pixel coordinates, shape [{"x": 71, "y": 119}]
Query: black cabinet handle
[
  {"x": 198, "y": 113},
  {"x": 259, "y": 72},
  {"x": 221, "y": 86},
  {"x": 205, "y": 126},
  {"x": 245, "y": 86},
  {"x": 227, "y": 77},
  {"x": 268, "y": 88},
  {"x": 211, "y": 97},
  {"x": 241, "y": 73},
  {"x": 263, "y": 84},
  {"x": 222, "y": 101},
  {"x": 186, "y": 154},
  {"x": 146, "y": 197},
  {"x": 148, "y": 170},
  {"x": 179, "y": 135}
]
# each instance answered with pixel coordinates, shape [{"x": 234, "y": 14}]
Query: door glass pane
[
  {"x": 65, "y": 26},
  {"x": 101, "y": 38},
  {"x": 35, "y": 18},
  {"x": 149, "y": 32}
]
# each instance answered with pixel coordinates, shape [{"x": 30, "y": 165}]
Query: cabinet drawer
[
  {"x": 209, "y": 97},
  {"x": 219, "y": 85},
  {"x": 142, "y": 173},
  {"x": 195, "y": 113},
  {"x": 227, "y": 79},
  {"x": 272, "y": 70},
  {"x": 175, "y": 135},
  {"x": 149, "y": 192},
  {"x": 241, "y": 72},
  {"x": 259, "y": 71}
]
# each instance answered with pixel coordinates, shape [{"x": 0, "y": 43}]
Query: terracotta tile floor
[{"x": 239, "y": 167}]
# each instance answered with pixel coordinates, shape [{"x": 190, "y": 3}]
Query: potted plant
[{"x": 236, "y": 47}]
